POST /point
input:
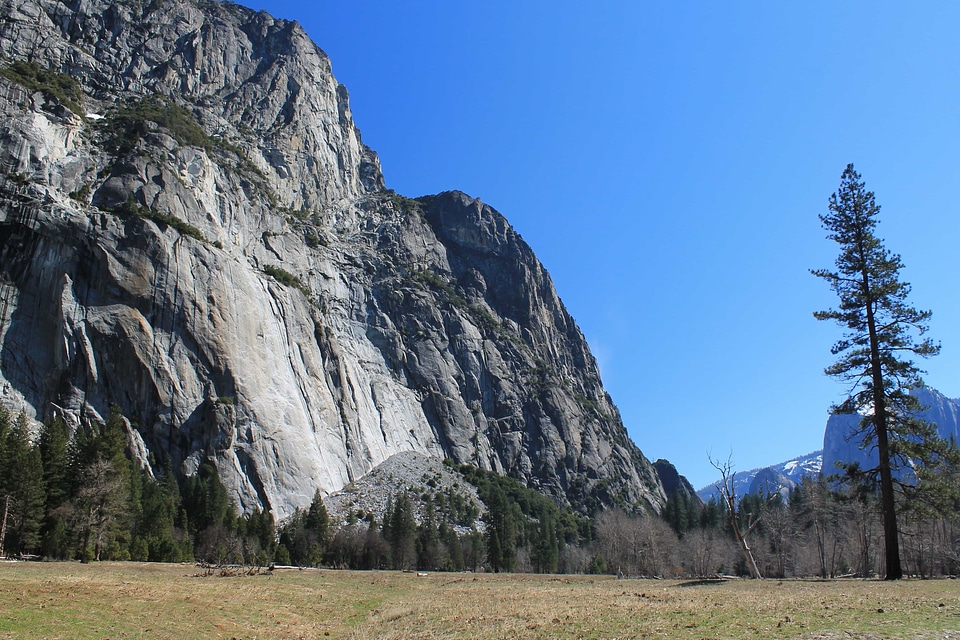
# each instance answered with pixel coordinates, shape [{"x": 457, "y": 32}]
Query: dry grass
[{"x": 174, "y": 601}]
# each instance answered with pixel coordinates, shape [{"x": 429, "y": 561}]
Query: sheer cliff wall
[{"x": 201, "y": 238}]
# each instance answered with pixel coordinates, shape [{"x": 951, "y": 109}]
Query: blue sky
[{"x": 667, "y": 162}]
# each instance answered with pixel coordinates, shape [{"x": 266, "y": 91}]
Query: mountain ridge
[
  {"x": 773, "y": 478},
  {"x": 839, "y": 447}
]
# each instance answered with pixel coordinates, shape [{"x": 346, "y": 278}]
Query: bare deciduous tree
[
  {"x": 728, "y": 491},
  {"x": 701, "y": 549},
  {"x": 99, "y": 502}
]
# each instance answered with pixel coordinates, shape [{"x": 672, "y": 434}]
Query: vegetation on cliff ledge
[{"x": 53, "y": 84}]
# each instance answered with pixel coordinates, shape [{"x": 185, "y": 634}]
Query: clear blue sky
[{"x": 667, "y": 162}]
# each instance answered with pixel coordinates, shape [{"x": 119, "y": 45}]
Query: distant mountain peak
[
  {"x": 778, "y": 477},
  {"x": 838, "y": 446}
]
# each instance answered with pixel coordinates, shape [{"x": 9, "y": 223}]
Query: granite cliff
[
  {"x": 193, "y": 230},
  {"x": 841, "y": 447}
]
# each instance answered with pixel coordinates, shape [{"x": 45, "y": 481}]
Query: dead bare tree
[
  {"x": 98, "y": 505},
  {"x": 728, "y": 491}
]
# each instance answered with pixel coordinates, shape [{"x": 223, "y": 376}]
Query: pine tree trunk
[{"x": 891, "y": 537}]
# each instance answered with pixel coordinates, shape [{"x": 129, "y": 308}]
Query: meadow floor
[{"x": 130, "y": 600}]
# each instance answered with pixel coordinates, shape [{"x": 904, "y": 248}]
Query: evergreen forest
[{"x": 81, "y": 496}]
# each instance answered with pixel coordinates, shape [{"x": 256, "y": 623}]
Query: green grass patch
[{"x": 131, "y": 600}]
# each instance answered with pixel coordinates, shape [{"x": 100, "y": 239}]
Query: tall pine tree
[
  {"x": 21, "y": 487},
  {"x": 402, "y": 534},
  {"x": 882, "y": 333},
  {"x": 501, "y": 530}
]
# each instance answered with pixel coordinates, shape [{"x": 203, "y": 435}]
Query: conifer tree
[
  {"x": 54, "y": 446},
  {"x": 53, "y": 442},
  {"x": 156, "y": 527},
  {"x": 546, "y": 548},
  {"x": 883, "y": 332},
  {"x": 318, "y": 520},
  {"x": 428, "y": 538},
  {"x": 302, "y": 538},
  {"x": 501, "y": 530},
  {"x": 206, "y": 503},
  {"x": 22, "y": 481},
  {"x": 402, "y": 533}
]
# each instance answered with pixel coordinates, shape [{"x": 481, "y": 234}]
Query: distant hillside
[
  {"x": 839, "y": 447},
  {"x": 777, "y": 477}
]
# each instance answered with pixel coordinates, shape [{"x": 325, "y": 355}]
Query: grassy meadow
[{"x": 129, "y": 600}]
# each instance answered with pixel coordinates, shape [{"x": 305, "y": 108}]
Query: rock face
[
  {"x": 839, "y": 447},
  {"x": 671, "y": 479},
  {"x": 419, "y": 476},
  {"x": 202, "y": 239}
]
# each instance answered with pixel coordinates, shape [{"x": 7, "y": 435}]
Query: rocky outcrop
[
  {"x": 672, "y": 481},
  {"x": 200, "y": 237},
  {"x": 421, "y": 479},
  {"x": 841, "y": 447},
  {"x": 770, "y": 481}
]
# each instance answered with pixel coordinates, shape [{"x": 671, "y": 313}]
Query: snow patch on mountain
[{"x": 778, "y": 477}]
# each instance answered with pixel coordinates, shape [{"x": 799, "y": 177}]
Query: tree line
[
  {"x": 821, "y": 528},
  {"x": 81, "y": 496},
  {"x": 84, "y": 498}
]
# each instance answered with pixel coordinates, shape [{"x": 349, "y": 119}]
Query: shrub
[
  {"x": 408, "y": 206},
  {"x": 127, "y": 123},
  {"x": 81, "y": 194},
  {"x": 132, "y": 208},
  {"x": 286, "y": 278},
  {"x": 53, "y": 84},
  {"x": 184, "y": 228}
]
